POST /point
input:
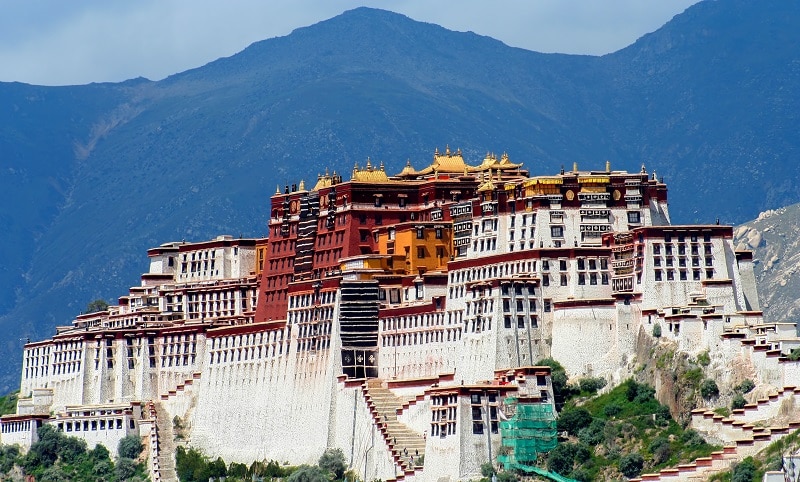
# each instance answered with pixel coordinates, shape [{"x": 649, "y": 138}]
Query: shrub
[
  {"x": 308, "y": 473},
  {"x": 657, "y": 330},
  {"x": 592, "y": 385},
  {"x": 794, "y": 355},
  {"x": 594, "y": 434},
  {"x": 744, "y": 471},
  {"x": 332, "y": 461},
  {"x": 612, "y": 409},
  {"x": 631, "y": 465},
  {"x": 746, "y": 386},
  {"x": 644, "y": 393},
  {"x": 738, "y": 401},
  {"x": 125, "y": 468},
  {"x": 561, "y": 459},
  {"x": 571, "y": 421},
  {"x": 130, "y": 447},
  {"x": 237, "y": 470},
  {"x": 709, "y": 389},
  {"x": 487, "y": 470},
  {"x": 692, "y": 438}
]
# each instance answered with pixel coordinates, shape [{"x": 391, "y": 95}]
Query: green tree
[
  {"x": 487, "y": 470},
  {"x": 709, "y": 389},
  {"x": 237, "y": 470},
  {"x": 130, "y": 447},
  {"x": 738, "y": 401},
  {"x": 572, "y": 421},
  {"x": 744, "y": 471},
  {"x": 631, "y": 465},
  {"x": 332, "y": 461},
  {"x": 217, "y": 468},
  {"x": 97, "y": 305},
  {"x": 561, "y": 459},
  {"x": 746, "y": 386},
  {"x": 70, "y": 448},
  {"x": 657, "y": 330},
  {"x": 592, "y": 385},
  {"x": 125, "y": 468},
  {"x": 308, "y": 473},
  {"x": 9, "y": 454}
]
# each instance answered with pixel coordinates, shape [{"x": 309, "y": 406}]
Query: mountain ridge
[{"x": 94, "y": 175}]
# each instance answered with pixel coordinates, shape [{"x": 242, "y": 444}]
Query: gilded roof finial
[
  {"x": 278, "y": 189},
  {"x": 447, "y": 149},
  {"x": 654, "y": 175},
  {"x": 408, "y": 162},
  {"x": 326, "y": 172},
  {"x": 381, "y": 166},
  {"x": 644, "y": 171},
  {"x": 369, "y": 164},
  {"x": 302, "y": 186},
  {"x": 575, "y": 166},
  {"x": 608, "y": 166}
]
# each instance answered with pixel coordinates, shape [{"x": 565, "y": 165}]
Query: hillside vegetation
[{"x": 625, "y": 431}]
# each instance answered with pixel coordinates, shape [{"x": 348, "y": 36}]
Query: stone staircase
[
  {"x": 165, "y": 444},
  {"x": 406, "y": 445}
]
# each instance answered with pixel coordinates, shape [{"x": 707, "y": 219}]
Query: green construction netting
[{"x": 530, "y": 431}]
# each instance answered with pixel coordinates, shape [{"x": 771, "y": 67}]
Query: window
[
  {"x": 557, "y": 231},
  {"x": 656, "y": 248},
  {"x": 420, "y": 252},
  {"x": 438, "y": 233},
  {"x": 581, "y": 263},
  {"x": 420, "y": 233},
  {"x": 581, "y": 278},
  {"x": 562, "y": 264},
  {"x": 545, "y": 280},
  {"x": 604, "y": 278},
  {"x": 548, "y": 306},
  {"x": 563, "y": 280},
  {"x": 656, "y": 261},
  {"x": 633, "y": 217},
  {"x": 592, "y": 278},
  {"x": 658, "y": 275},
  {"x": 545, "y": 265}
]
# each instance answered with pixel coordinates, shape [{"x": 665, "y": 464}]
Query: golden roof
[
  {"x": 326, "y": 180},
  {"x": 408, "y": 171},
  {"x": 369, "y": 174},
  {"x": 453, "y": 162}
]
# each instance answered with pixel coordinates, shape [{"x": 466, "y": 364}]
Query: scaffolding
[{"x": 530, "y": 429}]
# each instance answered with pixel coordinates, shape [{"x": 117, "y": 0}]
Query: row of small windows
[
  {"x": 682, "y": 262},
  {"x": 248, "y": 353},
  {"x": 670, "y": 249},
  {"x": 403, "y": 322},
  {"x": 683, "y": 275},
  {"x": 93, "y": 425},
  {"x": 325, "y": 297},
  {"x": 423, "y": 337}
]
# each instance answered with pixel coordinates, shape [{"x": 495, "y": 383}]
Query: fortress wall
[
  {"x": 477, "y": 357},
  {"x": 353, "y": 430},
  {"x": 585, "y": 340},
  {"x": 248, "y": 410},
  {"x": 418, "y": 360}
]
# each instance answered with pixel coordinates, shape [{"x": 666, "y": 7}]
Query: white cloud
[{"x": 75, "y": 42}]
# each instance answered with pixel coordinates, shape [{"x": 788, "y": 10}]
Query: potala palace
[{"x": 399, "y": 318}]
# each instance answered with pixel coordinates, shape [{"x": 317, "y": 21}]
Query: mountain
[
  {"x": 774, "y": 238},
  {"x": 91, "y": 176}
]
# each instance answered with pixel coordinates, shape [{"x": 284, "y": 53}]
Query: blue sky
[{"x": 57, "y": 42}]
